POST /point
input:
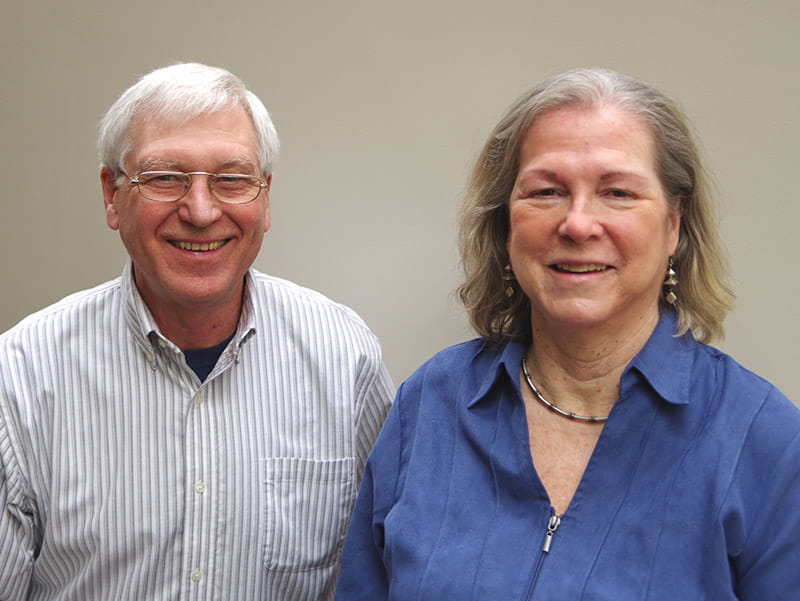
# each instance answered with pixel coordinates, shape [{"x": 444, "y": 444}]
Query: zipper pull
[{"x": 552, "y": 526}]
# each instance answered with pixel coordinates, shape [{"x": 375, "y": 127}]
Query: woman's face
[{"x": 591, "y": 232}]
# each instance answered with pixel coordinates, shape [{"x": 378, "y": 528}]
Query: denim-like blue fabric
[{"x": 692, "y": 493}]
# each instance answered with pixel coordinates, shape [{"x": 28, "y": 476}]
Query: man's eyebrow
[
  {"x": 228, "y": 165},
  {"x": 238, "y": 163},
  {"x": 153, "y": 164}
]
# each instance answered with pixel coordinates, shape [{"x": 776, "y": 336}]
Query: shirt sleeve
[
  {"x": 375, "y": 392},
  {"x": 363, "y": 575},
  {"x": 766, "y": 562},
  {"x": 17, "y": 539}
]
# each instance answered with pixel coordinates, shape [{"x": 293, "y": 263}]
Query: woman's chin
[{"x": 590, "y": 316}]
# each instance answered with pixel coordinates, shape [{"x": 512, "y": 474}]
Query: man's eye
[{"x": 160, "y": 178}]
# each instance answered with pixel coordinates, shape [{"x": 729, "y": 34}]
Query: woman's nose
[{"x": 581, "y": 221}]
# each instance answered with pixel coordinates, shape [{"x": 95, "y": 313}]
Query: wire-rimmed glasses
[{"x": 171, "y": 186}]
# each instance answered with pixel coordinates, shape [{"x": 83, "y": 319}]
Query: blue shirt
[{"x": 692, "y": 492}]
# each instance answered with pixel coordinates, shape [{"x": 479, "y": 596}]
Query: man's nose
[{"x": 199, "y": 206}]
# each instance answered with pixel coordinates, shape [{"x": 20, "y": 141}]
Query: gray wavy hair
[
  {"x": 177, "y": 94},
  {"x": 704, "y": 291}
]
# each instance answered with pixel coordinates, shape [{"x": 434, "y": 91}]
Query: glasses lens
[
  {"x": 235, "y": 189},
  {"x": 165, "y": 186}
]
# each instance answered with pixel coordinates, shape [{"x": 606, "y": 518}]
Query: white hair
[{"x": 177, "y": 94}]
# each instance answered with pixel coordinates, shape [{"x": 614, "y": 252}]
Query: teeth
[
  {"x": 581, "y": 268},
  {"x": 198, "y": 247}
]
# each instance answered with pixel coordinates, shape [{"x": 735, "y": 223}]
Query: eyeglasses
[{"x": 171, "y": 186}]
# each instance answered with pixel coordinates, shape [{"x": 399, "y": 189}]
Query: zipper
[
  {"x": 552, "y": 526},
  {"x": 553, "y": 522}
]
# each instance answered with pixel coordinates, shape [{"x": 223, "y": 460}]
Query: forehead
[
  {"x": 583, "y": 130},
  {"x": 570, "y": 119},
  {"x": 223, "y": 136}
]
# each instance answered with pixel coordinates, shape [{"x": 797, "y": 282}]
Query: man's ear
[
  {"x": 267, "y": 219},
  {"x": 108, "y": 181}
]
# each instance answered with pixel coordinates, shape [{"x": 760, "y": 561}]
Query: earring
[
  {"x": 670, "y": 281},
  {"x": 508, "y": 278}
]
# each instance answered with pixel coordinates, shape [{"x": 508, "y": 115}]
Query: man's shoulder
[
  {"x": 76, "y": 309},
  {"x": 278, "y": 296}
]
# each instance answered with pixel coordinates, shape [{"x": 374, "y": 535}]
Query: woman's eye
[
  {"x": 545, "y": 193},
  {"x": 620, "y": 194}
]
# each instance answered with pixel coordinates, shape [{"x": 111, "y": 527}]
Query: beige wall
[{"x": 381, "y": 108}]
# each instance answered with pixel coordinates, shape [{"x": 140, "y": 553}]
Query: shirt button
[
  {"x": 200, "y": 487},
  {"x": 197, "y": 575},
  {"x": 199, "y": 398},
  {"x": 161, "y": 343}
]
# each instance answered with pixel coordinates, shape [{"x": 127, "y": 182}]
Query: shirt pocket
[{"x": 309, "y": 503}]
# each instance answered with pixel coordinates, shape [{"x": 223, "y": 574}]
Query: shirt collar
[
  {"x": 497, "y": 366},
  {"x": 145, "y": 330},
  {"x": 665, "y": 362}
]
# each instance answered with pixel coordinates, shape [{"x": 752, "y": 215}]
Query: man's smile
[{"x": 199, "y": 246}]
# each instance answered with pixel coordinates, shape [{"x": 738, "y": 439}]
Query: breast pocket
[{"x": 309, "y": 504}]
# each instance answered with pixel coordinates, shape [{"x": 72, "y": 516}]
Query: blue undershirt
[{"x": 203, "y": 360}]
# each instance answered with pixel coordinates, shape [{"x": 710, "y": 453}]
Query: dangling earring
[
  {"x": 508, "y": 278},
  {"x": 669, "y": 281}
]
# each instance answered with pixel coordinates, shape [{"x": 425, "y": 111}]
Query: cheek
[
  {"x": 267, "y": 221},
  {"x": 674, "y": 234},
  {"x": 141, "y": 227},
  {"x": 526, "y": 233}
]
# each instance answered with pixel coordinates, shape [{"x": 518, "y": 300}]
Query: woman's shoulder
[
  {"x": 459, "y": 353},
  {"x": 454, "y": 362},
  {"x": 452, "y": 377},
  {"x": 744, "y": 399},
  {"x": 738, "y": 380}
]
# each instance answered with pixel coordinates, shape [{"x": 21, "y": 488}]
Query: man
[{"x": 194, "y": 429}]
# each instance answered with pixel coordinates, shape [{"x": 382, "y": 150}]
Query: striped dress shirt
[{"x": 123, "y": 477}]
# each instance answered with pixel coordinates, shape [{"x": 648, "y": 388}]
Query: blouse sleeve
[
  {"x": 766, "y": 557},
  {"x": 363, "y": 575}
]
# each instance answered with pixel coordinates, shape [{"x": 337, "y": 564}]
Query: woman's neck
[{"x": 579, "y": 369}]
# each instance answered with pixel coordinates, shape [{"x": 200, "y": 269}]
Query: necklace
[{"x": 574, "y": 416}]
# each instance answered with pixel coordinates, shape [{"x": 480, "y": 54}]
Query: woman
[{"x": 589, "y": 445}]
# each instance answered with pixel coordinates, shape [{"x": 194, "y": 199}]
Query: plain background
[{"x": 382, "y": 108}]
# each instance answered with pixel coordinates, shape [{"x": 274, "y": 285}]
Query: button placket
[{"x": 200, "y": 526}]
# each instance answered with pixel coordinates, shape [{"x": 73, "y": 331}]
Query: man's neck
[
  {"x": 198, "y": 325},
  {"x": 196, "y": 334}
]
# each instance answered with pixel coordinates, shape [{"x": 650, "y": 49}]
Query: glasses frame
[{"x": 134, "y": 181}]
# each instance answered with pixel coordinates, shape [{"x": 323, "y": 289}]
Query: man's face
[{"x": 191, "y": 254}]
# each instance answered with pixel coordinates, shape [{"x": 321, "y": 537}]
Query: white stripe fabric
[{"x": 123, "y": 477}]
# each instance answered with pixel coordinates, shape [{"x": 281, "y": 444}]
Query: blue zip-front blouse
[{"x": 692, "y": 492}]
